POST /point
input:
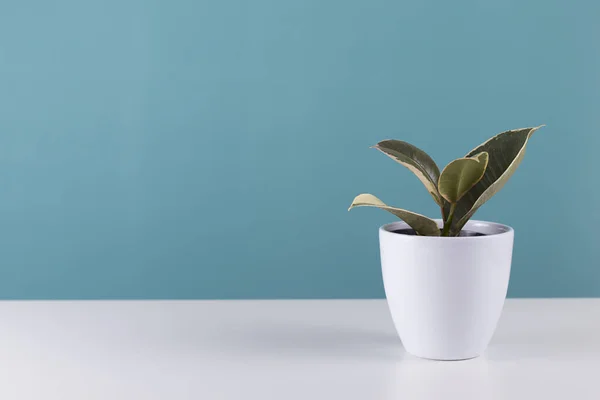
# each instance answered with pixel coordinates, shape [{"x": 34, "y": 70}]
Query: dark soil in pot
[{"x": 463, "y": 233}]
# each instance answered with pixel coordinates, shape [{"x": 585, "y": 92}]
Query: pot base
[{"x": 438, "y": 358}]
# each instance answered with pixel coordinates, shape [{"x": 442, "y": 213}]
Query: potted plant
[{"x": 445, "y": 280}]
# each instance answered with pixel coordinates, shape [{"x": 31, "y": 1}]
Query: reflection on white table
[{"x": 313, "y": 349}]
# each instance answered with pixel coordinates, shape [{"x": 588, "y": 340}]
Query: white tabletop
[{"x": 333, "y": 349}]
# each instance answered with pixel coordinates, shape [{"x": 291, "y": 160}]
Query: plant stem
[{"x": 448, "y": 222}]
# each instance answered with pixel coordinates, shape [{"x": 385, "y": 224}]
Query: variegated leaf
[{"x": 420, "y": 223}]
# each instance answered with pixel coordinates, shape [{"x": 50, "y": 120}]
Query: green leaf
[
  {"x": 415, "y": 160},
  {"x": 420, "y": 223},
  {"x": 461, "y": 175},
  {"x": 506, "y": 151}
]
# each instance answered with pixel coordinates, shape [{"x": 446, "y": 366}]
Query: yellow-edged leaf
[
  {"x": 461, "y": 175},
  {"x": 417, "y": 161},
  {"x": 506, "y": 151},
  {"x": 420, "y": 223}
]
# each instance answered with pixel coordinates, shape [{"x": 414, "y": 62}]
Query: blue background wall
[{"x": 209, "y": 149}]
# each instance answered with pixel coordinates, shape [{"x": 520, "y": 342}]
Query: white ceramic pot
[{"x": 446, "y": 294}]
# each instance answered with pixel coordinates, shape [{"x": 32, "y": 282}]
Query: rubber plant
[{"x": 463, "y": 186}]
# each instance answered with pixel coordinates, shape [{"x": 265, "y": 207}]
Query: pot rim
[{"x": 489, "y": 229}]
